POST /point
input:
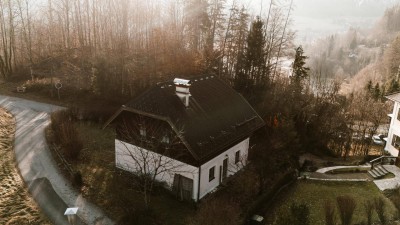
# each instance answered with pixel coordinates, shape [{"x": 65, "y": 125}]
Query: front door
[
  {"x": 225, "y": 169},
  {"x": 182, "y": 187}
]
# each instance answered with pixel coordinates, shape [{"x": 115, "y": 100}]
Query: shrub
[
  {"x": 380, "y": 209},
  {"x": 66, "y": 134},
  {"x": 77, "y": 179},
  {"x": 329, "y": 210},
  {"x": 140, "y": 216},
  {"x": 299, "y": 214},
  {"x": 395, "y": 198},
  {"x": 346, "y": 206},
  {"x": 282, "y": 180},
  {"x": 369, "y": 210},
  {"x": 217, "y": 212},
  {"x": 39, "y": 85}
]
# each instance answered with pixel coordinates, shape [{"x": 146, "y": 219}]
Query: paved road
[{"x": 38, "y": 169}]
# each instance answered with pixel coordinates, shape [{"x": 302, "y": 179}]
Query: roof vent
[{"x": 182, "y": 90}]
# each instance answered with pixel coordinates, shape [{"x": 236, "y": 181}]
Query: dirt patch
[{"x": 16, "y": 205}]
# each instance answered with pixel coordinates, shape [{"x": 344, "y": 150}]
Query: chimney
[{"x": 182, "y": 90}]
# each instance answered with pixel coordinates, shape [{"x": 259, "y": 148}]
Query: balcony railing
[{"x": 383, "y": 160}]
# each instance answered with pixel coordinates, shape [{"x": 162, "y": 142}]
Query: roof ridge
[{"x": 193, "y": 79}]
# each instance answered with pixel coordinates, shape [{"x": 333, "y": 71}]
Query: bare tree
[
  {"x": 149, "y": 150},
  {"x": 7, "y": 38}
]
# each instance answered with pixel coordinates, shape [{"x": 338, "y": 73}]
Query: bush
[
  {"x": 396, "y": 201},
  {"x": 93, "y": 112},
  {"x": 346, "y": 205},
  {"x": 299, "y": 214},
  {"x": 329, "y": 210},
  {"x": 368, "y": 158},
  {"x": 369, "y": 210},
  {"x": 66, "y": 134},
  {"x": 380, "y": 209},
  {"x": 140, "y": 216},
  {"x": 265, "y": 200},
  {"x": 217, "y": 212},
  {"x": 308, "y": 166},
  {"x": 39, "y": 85},
  {"x": 77, "y": 180}
]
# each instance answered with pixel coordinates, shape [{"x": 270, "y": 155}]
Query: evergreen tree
[
  {"x": 251, "y": 71},
  {"x": 197, "y": 22},
  {"x": 369, "y": 86},
  {"x": 353, "y": 44},
  {"x": 300, "y": 71},
  {"x": 383, "y": 93},
  {"x": 255, "y": 55},
  {"x": 377, "y": 92},
  {"x": 393, "y": 86}
]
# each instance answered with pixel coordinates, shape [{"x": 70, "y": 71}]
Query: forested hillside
[
  {"x": 361, "y": 56},
  {"x": 106, "y": 52},
  {"x": 123, "y": 46},
  {"x": 114, "y": 50}
]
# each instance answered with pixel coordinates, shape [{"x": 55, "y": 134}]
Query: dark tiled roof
[{"x": 217, "y": 116}]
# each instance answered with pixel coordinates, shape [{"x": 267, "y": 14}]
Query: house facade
[
  {"x": 393, "y": 140},
  {"x": 190, "y": 134}
]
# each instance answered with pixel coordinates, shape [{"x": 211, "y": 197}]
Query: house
[
  {"x": 393, "y": 140},
  {"x": 197, "y": 130}
]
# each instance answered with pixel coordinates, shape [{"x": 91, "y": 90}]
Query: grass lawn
[
  {"x": 315, "y": 193},
  {"x": 111, "y": 188}
]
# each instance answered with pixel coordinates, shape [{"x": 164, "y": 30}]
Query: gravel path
[{"x": 37, "y": 167}]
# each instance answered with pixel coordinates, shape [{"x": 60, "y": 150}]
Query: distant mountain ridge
[
  {"x": 383, "y": 2},
  {"x": 342, "y": 8}
]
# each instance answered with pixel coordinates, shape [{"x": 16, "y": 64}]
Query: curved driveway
[{"x": 47, "y": 185}]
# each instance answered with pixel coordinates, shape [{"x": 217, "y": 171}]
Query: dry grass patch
[{"x": 16, "y": 205}]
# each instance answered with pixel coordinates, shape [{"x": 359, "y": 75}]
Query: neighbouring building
[
  {"x": 393, "y": 138},
  {"x": 191, "y": 134}
]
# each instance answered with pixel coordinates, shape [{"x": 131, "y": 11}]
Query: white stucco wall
[
  {"x": 125, "y": 161},
  {"x": 205, "y": 185},
  {"x": 394, "y": 129}
]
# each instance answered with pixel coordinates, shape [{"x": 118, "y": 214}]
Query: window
[
  {"x": 211, "y": 174},
  {"x": 237, "y": 157},
  {"x": 396, "y": 141},
  {"x": 398, "y": 115},
  {"x": 142, "y": 131},
  {"x": 165, "y": 139}
]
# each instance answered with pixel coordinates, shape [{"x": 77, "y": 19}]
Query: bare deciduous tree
[{"x": 149, "y": 150}]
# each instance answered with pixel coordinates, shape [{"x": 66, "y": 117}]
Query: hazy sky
[{"x": 317, "y": 18}]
